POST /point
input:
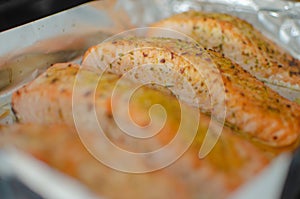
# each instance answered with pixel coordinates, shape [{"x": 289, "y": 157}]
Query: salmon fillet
[
  {"x": 240, "y": 42},
  {"x": 60, "y": 147},
  {"x": 251, "y": 107},
  {"x": 47, "y": 100}
]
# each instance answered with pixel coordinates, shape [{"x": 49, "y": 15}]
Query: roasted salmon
[
  {"x": 241, "y": 42},
  {"x": 251, "y": 107},
  {"x": 231, "y": 163},
  {"x": 48, "y": 100}
]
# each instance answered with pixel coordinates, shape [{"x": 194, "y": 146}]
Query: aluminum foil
[
  {"x": 279, "y": 20},
  {"x": 27, "y": 50}
]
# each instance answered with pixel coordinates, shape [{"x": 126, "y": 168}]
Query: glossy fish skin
[
  {"x": 241, "y": 42},
  {"x": 251, "y": 107},
  {"x": 231, "y": 162}
]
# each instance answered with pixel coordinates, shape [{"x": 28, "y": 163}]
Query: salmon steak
[
  {"x": 252, "y": 108},
  {"x": 241, "y": 42}
]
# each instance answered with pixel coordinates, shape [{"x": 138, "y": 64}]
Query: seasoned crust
[
  {"x": 241, "y": 42},
  {"x": 252, "y": 107}
]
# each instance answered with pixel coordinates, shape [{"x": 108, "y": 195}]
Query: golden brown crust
[
  {"x": 252, "y": 107},
  {"x": 241, "y": 42}
]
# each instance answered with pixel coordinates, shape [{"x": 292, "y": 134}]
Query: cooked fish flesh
[
  {"x": 231, "y": 163},
  {"x": 241, "y": 42},
  {"x": 48, "y": 100},
  {"x": 251, "y": 107}
]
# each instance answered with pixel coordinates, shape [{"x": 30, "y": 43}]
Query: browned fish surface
[
  {"x": 241, "y": 42},
  {"x": 252, "y": 108},
  {"x": 47, "y": 100}
]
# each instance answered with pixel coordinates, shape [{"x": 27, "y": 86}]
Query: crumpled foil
[{"x": 279, "y": 20}]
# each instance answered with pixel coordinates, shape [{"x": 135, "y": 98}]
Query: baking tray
[{"x": 28, "y": 50}]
